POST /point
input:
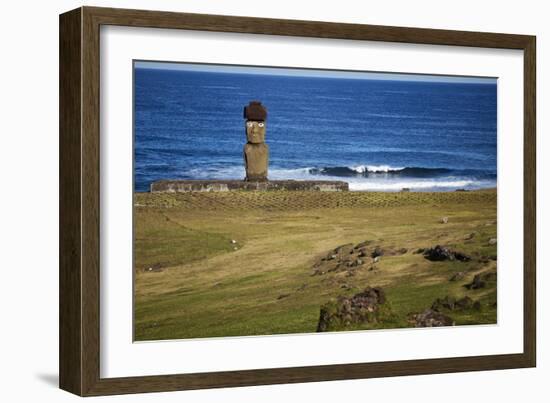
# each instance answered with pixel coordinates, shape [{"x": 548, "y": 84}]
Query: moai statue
[{"x": 256, "y": 152}]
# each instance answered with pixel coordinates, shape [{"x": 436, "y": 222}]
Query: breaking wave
[{"x": 376, "y": 170}]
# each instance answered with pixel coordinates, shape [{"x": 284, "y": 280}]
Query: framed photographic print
[{"x": 250, "y": 201}]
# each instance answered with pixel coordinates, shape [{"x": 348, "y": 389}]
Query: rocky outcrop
[
  {"x": 344, "y": 257},
  {"x": 481, "y": 280},
  {"x": 430, "y": 318},
  {"x": 367, "y": 307},
  {"x": 348, "y": 257},
  {"x": 440, "y": 253},
  {"x": 453, "y": 304}
]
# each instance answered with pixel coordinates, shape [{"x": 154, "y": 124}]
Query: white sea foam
[
  {"x": 447, "y": 183},
  {"x": 420, "y": 185},
  {"x": 375, "y": 168}
]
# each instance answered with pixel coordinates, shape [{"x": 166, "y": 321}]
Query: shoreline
[{"x": 236, "y": 185}]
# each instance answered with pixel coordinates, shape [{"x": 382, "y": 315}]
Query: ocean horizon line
[{"x": 300, "y": 72}]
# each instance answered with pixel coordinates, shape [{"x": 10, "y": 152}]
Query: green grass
[
  {"x": 162, "y": 242},
  {"x": 206, "y": 288}
]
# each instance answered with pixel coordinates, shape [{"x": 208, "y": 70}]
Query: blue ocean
[{"x": 378, "y": 135}]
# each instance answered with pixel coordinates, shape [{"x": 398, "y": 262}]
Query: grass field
[{"x": 241, "y": 263}]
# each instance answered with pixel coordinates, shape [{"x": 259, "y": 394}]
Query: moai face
[{"x": 255, "y": 131}]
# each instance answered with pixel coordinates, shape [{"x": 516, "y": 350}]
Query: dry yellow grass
[{"x": 203, "y": 285}]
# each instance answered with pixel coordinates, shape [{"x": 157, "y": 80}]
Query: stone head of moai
[{"x": 256, "y": 152}]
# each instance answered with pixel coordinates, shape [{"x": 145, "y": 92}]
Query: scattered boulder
[
  {"x": 481, "y": 280},
  {"x": 440, "y": 253},
  {"x": 465, "y": 303},
  {"x": 477, "y": 283},
  {"x": 349, "y": 258},
  {"x": 444, "y": 220},
  {"x": 444, "y": 303},
  {"x": 470, "y": 236},
  {"x": 343, "y": 258},
  {"x": 452, "y": 304},
  {"x": 156, "y": 268},
  {"x": 365, "y": 307},
  {"x": 430, "y": 318},
  {"x": 377, "y": 252},
  {"x": 492, "y": 241}
]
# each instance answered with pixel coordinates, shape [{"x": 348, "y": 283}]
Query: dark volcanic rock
[
  {"x": 349, "y": 258},
  {"x": 465, "y": 303},
  {"x": 482, "y": 279},
  {"x": 377, "y": 252},
  {"x": 452, "y": 304},
  {"x": 363, "y": 308},
  {"x": 342, "y": 258},
  {"x": 156, "y": 268},
  {"x": 444, "y": 303},
  {"x": 431, "y": 318},
  {"x": 440, "y": 253},
  {"x": 477, "y": 283}
]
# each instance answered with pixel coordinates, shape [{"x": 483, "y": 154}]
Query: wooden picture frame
[{"x": 79, "y": 346}]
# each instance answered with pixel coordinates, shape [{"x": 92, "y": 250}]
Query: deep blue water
[{"x": 377, "y": 135}]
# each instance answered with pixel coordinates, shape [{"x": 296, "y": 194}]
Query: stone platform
[{"x": 173, "y": 186}]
